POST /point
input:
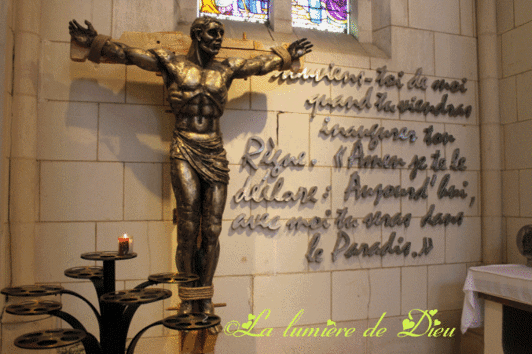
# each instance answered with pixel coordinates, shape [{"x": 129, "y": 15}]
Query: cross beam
[{"x": 178, "y": 43}]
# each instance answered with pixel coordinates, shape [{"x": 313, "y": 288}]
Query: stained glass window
[
  {"x": 236, "y": 10},
  {"x": 324, "y": 15}
]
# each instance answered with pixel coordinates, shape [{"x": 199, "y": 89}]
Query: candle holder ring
[
  {"x": 50, "y": 339},
  {"x": 34, "y": 307},
  {"x": 136, "y": 296},
  {"x": 85, "y": 272},
  {"x": 191, "y": 321},
  {"x": 32, "y": 290},
  {"x": 107, "y": 256},
  {"x": 171, "y": 278},
  {"x": 168, "y": 278}
]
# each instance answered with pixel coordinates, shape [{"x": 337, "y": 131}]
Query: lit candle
[{"x": 125, "y": 245}]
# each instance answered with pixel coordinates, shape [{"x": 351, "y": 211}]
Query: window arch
[{"x": 236, "y": 10}]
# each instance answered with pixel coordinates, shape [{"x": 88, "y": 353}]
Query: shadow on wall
[
  {"x": 143, "y": 132},
  {"x": 254, "y": 124}
]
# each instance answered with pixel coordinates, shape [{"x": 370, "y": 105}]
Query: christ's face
[{"x": 210, "y": 39}]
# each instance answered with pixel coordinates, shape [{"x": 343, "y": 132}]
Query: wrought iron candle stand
[{"x": 116, "y": 309}]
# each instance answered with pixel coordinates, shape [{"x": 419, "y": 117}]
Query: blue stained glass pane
[
  {"x": 236, "y": 10},
  {"x": 325, "y": 15}
]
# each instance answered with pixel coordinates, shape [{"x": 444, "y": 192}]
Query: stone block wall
[
  {"x": 514, "y": 24},
  {"x": 102, "y": 146}
]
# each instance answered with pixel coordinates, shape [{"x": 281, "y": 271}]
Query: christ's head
[{"x": 208, "y": 32}]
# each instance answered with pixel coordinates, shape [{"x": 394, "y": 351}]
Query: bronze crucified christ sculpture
[{"x": 197, "y": 86}]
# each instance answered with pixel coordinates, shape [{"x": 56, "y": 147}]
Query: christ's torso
[{"x": 197, "y": 95}]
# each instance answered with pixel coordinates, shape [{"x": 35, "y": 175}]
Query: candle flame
[{"x": 126, "y": 236}]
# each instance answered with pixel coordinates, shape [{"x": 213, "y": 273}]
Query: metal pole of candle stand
[
  {"x": 114, "y": 318},
  {"x": 108, "y": 286},
  {"x": 127, "y": 302},
  {"x": 109, "y": 276},
  {"x": 110, "y": 336}
]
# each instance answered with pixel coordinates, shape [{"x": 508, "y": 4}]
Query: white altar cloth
[{"x": 510, "y": 281}]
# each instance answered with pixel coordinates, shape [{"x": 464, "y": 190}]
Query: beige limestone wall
[
  {"x": 101, "y": 147},
  {"x": 19, "y": 44},
  {"x": 490, "y": 133},
  {"x": 23, "y": 192},
  {"x": 514, "y": 25}
]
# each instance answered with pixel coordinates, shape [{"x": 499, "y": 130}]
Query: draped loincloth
[{"x": 205, "y": 154}]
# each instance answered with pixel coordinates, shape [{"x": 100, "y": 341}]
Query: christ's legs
[
  {"x": 213, "y": 204},
  {"x": 200, "y": 207},
  {"x": 187, "y": 191}
]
